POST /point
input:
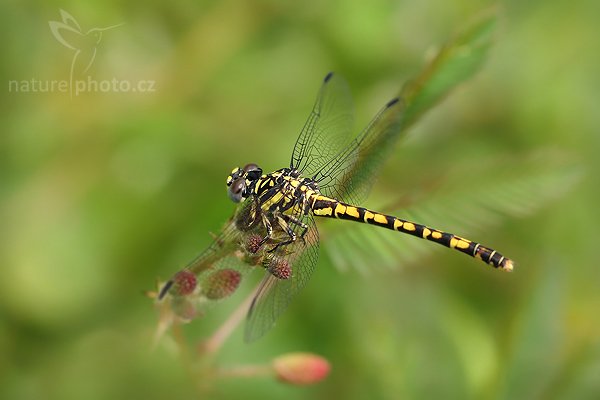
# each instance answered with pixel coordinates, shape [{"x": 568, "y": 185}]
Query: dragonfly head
[{"x": 241, "y": 181}]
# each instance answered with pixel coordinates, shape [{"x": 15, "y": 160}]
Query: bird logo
[{"x": 85, "y": 45}]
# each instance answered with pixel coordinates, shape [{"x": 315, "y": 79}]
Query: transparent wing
[
  {"x": 217, "y": 271},
  {"x": 349, "y": 175},
  {"x": 328, "y": 128},
  {"x": 274, "y": 294}
]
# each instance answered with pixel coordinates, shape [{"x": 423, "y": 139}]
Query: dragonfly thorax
[{"x": 283, "y": 191}]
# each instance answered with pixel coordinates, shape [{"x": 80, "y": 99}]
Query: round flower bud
[
  {"x": 301, "y": 368},
  {"x": 184, "y": 282},
  {"x": 279, "y": 268},
  {"x": 221, "y": 284}
]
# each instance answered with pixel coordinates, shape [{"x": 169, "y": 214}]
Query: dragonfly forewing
[
  {"x": 350, "y": 175},
  {"x": 216, "y": 272},
  {"x": 328, "y": 129}
]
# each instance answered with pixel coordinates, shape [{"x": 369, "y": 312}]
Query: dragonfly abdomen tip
[{"x": 508, "y": 265}]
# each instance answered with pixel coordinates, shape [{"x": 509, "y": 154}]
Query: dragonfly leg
[
  {"x": 294, "y": 220},
  {"x": 284, "y": 222},
  {"x": 269, "y": 229}
]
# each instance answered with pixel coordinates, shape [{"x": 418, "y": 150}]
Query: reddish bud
[
  {"x": 301, "y": 368},
  {"x": 279, "y": 268},
  {"x": 184, "y": 308},
  {"x": 221, "y": 284},
  {"x": 253, "y": 243},
  {"x": 184, "y": 282}
]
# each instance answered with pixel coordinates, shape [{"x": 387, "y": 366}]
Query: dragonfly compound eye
[
  {"x": 236, "y": 190},
  {"x": 253, "y": 171}
]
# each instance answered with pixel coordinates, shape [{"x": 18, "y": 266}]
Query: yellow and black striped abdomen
[{"x": 323, "y": 206}]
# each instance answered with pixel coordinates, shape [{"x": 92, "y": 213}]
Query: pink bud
[
  {"x": 301, "y": 368},
  {"x": 253, "y": 243},
  {"x": 221, "y": 284},
  {"x": 185, "y": 282},
  {"x": 279, "y": 268},
  {"x": 184, "y": 308}
]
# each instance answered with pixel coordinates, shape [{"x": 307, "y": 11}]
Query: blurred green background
[{"x": 104, "y": 192}]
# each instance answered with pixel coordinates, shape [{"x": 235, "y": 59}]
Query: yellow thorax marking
[{"x": 273, "y": 200}]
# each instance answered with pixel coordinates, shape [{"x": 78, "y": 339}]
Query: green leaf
[{"x": 456, "y": 62}]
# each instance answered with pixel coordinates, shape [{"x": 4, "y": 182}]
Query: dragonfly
[{"x": 329, "y": 175}]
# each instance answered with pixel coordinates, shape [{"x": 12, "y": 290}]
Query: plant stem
[
  {"x": 214, "y": 343},
  {"x": 245, "y": 371}
]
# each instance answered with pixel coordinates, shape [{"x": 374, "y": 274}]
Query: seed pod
[
  {"x": 301, "y": 368},
  {"x": 185, "y": 308},
  {"x": 184, "y": 282},
  {"x": 253, "y": 243},
  {"x": 279, "y": 268},
  {"x": 221, "y": 284}
]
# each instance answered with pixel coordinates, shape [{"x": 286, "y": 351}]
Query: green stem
[
  {"x": 214, "y": 343},
  {"x": 245, "y": 371}
]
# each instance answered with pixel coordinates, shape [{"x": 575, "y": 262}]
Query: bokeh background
[{"x": 104, "y": 192}]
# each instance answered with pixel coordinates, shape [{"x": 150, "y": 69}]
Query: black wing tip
[
  {"x": 392, "y": 102},
  {"x": 165, "y": 289},
  {"x": 328, "y": 76}
]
